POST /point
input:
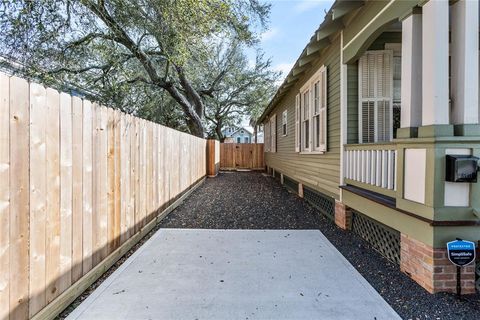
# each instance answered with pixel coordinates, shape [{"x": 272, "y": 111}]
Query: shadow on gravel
[{"x": 250, "y": 200}]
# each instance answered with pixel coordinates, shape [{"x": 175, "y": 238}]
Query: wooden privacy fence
[
  {"x": 241, "y": 156},
  {"x": 77, "y": 180}
]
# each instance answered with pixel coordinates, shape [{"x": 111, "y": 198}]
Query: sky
[{"x": 292, "y": 23}]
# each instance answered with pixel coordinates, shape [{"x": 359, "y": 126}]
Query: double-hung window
[{"x": 311, "y": 115}]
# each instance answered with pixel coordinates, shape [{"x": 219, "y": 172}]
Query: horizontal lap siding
[{"x": 319, "y": 171}]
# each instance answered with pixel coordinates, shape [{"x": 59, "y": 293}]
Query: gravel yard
[{"x": 251, "y": 200}]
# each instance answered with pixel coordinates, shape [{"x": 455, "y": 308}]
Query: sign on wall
[{"x": 461, "y": 252}]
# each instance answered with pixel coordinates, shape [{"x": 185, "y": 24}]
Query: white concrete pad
[{"x": 235, "y": 274}]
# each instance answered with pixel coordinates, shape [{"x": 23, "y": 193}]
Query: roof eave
[{"x": 319, "y": 41}]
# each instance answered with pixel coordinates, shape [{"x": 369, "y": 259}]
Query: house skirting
[{"x": 421, "y": 258}]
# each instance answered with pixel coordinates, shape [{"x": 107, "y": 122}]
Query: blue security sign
[{"x": 461, "y": 252}]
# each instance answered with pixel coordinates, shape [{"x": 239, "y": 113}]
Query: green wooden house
[{"x": 362, "y": 125}]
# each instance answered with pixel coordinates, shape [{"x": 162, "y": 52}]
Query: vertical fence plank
[
  {"x": 124, "y": 170},
  {"x": 4, "y": 196},
  {"x": 101, "y": 214},
  {"x": 154, "y": 146},
  {"x": 110, "y": 180},
  {"x": 19, "y": 198},
  {"x": 149, "y": 170},
  {"x": 65, "y": 191},
  {"x": 161, "y": 166},
  {"x": 53, "y": 196},
  {"x": 77, "y": 207},
  {"x": 128, "y": 188},
  {"x": 143, "y": 173},
  {"x": 118, "y": 174},
  {"x": 98, "y": 172},
  {"x": 38, "y": 193},
  {"x": 168, "y": 159},
  {"x": 87, "y": 190},
  {"x": 133, "y": 174},
  {"x": 135, "y": 153}
]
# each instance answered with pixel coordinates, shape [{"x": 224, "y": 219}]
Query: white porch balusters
[
  {"x": 464, "y": 81},
  {"x": 435, "y": 97},
  {"x": 411, "y": 87}
]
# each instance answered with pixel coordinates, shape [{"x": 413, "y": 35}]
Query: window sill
[{"x": 312, "y": 152}]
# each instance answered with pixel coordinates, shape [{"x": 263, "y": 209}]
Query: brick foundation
[
  {"x": 431, "y": 268},
  {"x": 343, "y": 216}
]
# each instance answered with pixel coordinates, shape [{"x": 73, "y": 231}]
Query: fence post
[{"x": 212, "y": 166}]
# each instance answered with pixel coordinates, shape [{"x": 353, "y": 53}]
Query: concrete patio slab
[{"x": 235, "y": 274}]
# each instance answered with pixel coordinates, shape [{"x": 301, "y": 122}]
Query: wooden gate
[{"x": 241, "y": 156}]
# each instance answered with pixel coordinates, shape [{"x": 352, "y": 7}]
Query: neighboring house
[
  {"x": 363, "y": 123},
  {"x": 237, "y": 135}
]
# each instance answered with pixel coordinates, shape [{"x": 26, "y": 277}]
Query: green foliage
[{"x": 148, "y": 57}]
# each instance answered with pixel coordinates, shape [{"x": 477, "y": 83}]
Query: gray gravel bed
[{"x": 250, "y": 200}]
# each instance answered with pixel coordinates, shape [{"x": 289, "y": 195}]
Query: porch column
[
  {"x": 435, "y": 104},
  {"x": 464, "y": 81},
  {"x": 411, "y": 111}
]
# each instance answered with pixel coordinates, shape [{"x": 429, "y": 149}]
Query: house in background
[
  {"x": 383, "y": 93},
  {"x": 237, "y": 135}
]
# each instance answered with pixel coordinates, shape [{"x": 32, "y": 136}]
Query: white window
[
  {"x": 238, "y": 139},
  {"x": 311, "y": 115},
  {"x": 284, "y": 123},
  {"x": 375, "y": 78}
]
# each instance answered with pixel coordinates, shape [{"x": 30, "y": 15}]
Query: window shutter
[
  {"x": 297, "y": 123},
  {"x": 273, "y": 135},
  {"x": 375, "y": 96},
  {"x": 323, "y": 111},
  {"x": 384, "y": 83}
]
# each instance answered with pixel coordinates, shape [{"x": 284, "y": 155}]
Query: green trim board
[
  {"x": 366, "y": 186},
  {"x": 371, "y": 21},
  {"x": 435, "y": 236},
  {"x": 438, "y": 130},
  {"x": 408, "y": 225},
  {"x": 467, "y": 130},
  {"x": 405, "y": 133}
]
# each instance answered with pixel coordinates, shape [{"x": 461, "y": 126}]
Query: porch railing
[{"x": 371, "y": 165}]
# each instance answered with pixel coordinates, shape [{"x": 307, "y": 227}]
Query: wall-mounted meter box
[{"x": 461, "y": 168}]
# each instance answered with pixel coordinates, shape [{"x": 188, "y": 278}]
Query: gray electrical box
[{"x": 461, "y": 168}]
